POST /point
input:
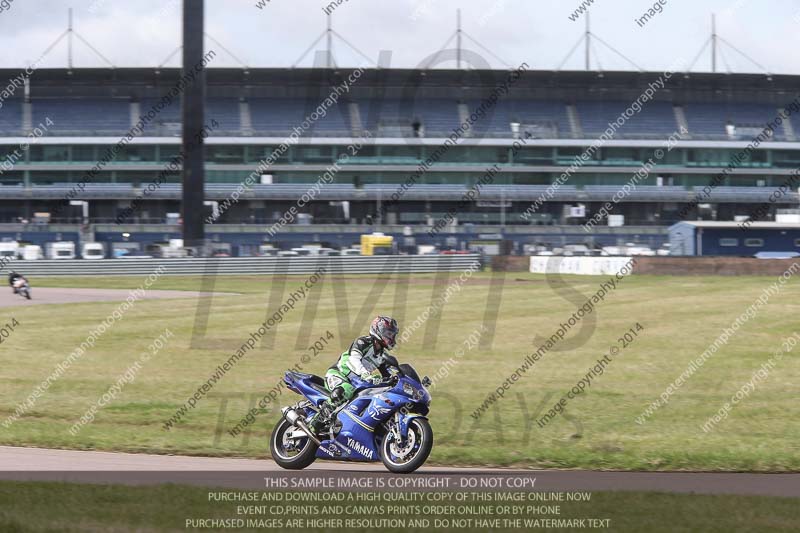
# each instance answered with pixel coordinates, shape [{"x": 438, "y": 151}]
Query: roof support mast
[
  {"x": 713, "y": 43},
  {"x": 587, "y": 40},
  {"x": 459, "y": 50},
  {"x": 329, "y": 33},
  {"x": 69, "y": 33},
  {"x": 715, "y": 40},
  {"x": 588, "y": 37},
  {"x": 458, "y": 38},
  {"x": 330, "y": 43},
  {"x": 69, "y": 38}
]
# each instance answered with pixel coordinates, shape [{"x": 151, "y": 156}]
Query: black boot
[{"x": 321, "y": 421}]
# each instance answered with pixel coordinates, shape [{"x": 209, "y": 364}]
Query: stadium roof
[{"x": 563, "y": 85}]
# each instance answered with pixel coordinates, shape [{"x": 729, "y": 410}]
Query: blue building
[{"x": 732, "y": 238}]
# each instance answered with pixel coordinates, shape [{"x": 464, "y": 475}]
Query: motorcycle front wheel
[
  {"x": 291, "y": 453},
  {"x": 413, "y": 453}
]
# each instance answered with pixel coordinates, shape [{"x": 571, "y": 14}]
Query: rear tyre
[
  {"x": 405, "y": 459},
  {"x": 292, "y": 454}
]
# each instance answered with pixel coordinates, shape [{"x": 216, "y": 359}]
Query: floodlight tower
[{"x": 193, "y": 118}]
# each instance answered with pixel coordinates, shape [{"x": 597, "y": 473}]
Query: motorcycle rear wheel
[{"x": 306, "y": 455}]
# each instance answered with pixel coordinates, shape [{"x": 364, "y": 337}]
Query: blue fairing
[
  {"x": 309, "y": 385},
  {"x": 364, "y": 419}
]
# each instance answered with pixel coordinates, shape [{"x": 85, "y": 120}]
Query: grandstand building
[{"x": 700, "y": 146}]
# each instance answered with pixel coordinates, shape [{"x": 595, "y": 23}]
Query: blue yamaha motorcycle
[{"x": 386, "y": 421}]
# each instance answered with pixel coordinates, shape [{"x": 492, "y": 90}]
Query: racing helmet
[{"x": 384, "y": 330}]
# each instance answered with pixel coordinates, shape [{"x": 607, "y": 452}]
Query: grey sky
[{"x": 142, "y": 33}]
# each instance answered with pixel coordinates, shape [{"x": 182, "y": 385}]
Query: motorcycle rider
[
  {"x": 16, "y": 280},
  {"x": 372, "y": 347}
]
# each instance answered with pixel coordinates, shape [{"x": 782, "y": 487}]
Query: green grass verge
[
  {"x": 681, "y": 317},
  {"x": 64, "y": 507}
]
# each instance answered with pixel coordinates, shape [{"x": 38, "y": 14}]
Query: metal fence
[{"x": 247, "y": 265}]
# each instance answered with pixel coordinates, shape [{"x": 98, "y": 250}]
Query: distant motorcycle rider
[
  {"x": 372, "y": 348},
  {"x": 15, "y": 281}
]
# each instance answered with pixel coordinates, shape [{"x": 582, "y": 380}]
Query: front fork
[
  {"x": 400, "y": 425},
  {"x": 395, "y": 428}
]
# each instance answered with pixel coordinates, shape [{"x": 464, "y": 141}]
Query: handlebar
[{"x": 391, "y": 381}]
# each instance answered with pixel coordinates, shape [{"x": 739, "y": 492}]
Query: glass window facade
[{"x": 153, "y": 158}]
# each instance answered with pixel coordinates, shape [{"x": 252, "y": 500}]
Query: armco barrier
[{"x": 386, "y": 264}]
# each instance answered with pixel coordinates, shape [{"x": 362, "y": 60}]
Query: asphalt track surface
[
  {"x": 38, "y": 464},
  {"x": 48, "y": 295}
]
